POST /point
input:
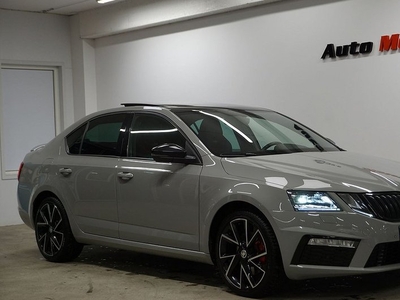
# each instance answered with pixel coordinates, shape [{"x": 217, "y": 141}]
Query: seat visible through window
[
  {"x": 149, "y": 131},
  {"x": 211, "y": 134}
]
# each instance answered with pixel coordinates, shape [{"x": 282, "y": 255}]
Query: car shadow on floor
[
  {"x": 144, "y": 264},
  {"x": 366, "y": 287}
]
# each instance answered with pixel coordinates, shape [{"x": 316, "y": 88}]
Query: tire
[
  {"x": 53, "y": 233},
  {"x": 248, "y": 256}
]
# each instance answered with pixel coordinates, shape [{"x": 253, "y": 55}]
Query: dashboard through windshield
[{"x": 233, "y": 132}]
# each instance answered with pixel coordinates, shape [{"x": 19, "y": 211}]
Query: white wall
[
  {"x": 269, "y": 56},
  {"x": 83, "y": 71},
  {"x": 34, "y": 39},
  {"x": 139, "y": 14}
]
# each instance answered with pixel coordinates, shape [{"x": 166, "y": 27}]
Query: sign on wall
[{"x": 387, "y": 43}]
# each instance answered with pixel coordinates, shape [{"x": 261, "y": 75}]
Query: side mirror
[{"x": 171, "y": 153}]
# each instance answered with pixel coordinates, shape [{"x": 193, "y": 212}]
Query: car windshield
[{"x": 237, "y": 132}]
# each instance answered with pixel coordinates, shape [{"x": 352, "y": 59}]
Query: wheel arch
[
  {"x": 226, "y": 210},
  {"x": 38, "y": 199}
]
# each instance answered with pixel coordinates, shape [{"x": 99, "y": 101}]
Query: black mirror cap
[{"x": 171, "y": 153}]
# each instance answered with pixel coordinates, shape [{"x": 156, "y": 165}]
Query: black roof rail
[{"x": 139, "y": 104}]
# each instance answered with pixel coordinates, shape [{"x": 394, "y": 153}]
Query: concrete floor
[{"x": 104, "y": 273}]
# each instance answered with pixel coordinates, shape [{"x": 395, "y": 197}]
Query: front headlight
[{"x": 312, "y": 201}]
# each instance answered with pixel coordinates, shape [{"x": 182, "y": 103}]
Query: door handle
[
  {"x": 65, "y": 171},
  {"x": 125, "y": 175}
]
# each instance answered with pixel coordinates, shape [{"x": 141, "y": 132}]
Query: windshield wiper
[
  {"x": 308, "y": 137},
  {"x": 261, "y": 153},
  {"x": 239, "y": 154}
]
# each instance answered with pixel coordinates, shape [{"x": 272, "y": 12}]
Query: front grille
[
  {"x": 384, "y": 254},
  {"x": 384, "y": 206}
]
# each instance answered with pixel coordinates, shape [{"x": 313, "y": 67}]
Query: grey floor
[{"x": 104, "y": 273}]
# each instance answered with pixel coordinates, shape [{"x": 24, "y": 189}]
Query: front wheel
[
  {"x": 248, "y": 256},
  {"x": 53, "y": 233}
]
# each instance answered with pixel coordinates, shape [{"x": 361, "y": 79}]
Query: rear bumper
[{"x": 25, "y": 217}]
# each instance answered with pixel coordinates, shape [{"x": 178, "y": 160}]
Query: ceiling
[{"x": 62, "y": 7}]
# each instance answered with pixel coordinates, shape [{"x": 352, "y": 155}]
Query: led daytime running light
[
  {"x": 332, "y": 243},
  {"x": 104, "y": 1}
]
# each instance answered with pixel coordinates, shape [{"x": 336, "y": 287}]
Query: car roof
[{"x": 192, "y": 106}]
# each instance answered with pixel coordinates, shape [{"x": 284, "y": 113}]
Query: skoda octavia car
[{"x": 256, "y": 193}]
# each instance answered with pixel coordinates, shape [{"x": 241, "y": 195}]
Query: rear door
[
  {"x": 88, "y": 172},
  {"x": 158, "y": 203}
]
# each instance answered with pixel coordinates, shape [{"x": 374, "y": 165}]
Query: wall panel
[{"x": 269, "y": 56}]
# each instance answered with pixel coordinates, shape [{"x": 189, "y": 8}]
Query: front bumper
[{"x": 376, "y": 246}]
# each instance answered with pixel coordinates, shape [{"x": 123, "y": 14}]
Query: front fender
[{"x": 218, "y": 191}]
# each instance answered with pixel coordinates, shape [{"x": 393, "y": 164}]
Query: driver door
[{"x": 158, "y": 203}]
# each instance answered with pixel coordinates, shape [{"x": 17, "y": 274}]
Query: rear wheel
[
  {"x": 53, "y": 233},
  {"x": 247, "y": 255}
]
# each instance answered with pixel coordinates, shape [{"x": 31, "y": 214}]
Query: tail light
[{"x": 20, "y": 170}]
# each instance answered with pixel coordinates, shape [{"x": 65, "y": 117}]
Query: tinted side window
[
  {"x": 103, "y": 136},
  {"x": 74, "y": 140},
  {"x": 148, "y": 131}
]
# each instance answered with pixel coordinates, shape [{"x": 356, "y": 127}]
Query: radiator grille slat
[{"x": 385, "y": 206}]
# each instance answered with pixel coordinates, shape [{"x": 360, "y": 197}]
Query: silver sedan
[{"x": 259, "y": 195}]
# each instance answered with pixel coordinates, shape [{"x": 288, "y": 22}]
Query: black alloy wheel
[
  {"x": 247, "y": 255},
  {"x": 53, "y": 233}
]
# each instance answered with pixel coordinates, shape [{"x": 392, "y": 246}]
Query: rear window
[{"x": 100, "y": 136}]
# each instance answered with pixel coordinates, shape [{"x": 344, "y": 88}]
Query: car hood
[{"x": 340, "y": 171}]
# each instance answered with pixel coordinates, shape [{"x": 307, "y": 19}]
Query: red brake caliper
[{"x": 261, "y": 249}]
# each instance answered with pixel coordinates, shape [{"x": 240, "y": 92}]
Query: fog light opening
[{"x": 332, "y": 243}]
